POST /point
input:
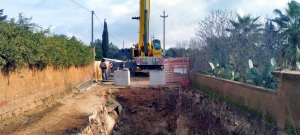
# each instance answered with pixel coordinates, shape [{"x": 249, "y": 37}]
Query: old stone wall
[
  {"x": 259, "y": 98},
  {"x": 26, "y": 89},
  {"x": 288, "y": 84},
  {"x": 283, "y": 104}
]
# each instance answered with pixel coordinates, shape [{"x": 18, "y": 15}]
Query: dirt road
[{"x": 62, "y": 115}]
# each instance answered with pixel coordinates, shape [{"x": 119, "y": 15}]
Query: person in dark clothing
[
  {"x": 103, "y": 67},
  {"x": 122, "y": 65}
]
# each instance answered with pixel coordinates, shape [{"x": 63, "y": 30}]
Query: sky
[{"x": 68, "y": 18}]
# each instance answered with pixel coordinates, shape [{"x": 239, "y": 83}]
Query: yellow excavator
[{"x": 145, "y": 55}]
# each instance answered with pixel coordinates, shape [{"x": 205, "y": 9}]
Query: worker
[
  {"x": 122, "y": 65},
  {"x": 103, "y": 68}
]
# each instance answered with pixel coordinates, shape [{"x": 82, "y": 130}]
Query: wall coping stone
[
  {"x": 294, "y": 74},
  {"x": 259, "y": 88}
]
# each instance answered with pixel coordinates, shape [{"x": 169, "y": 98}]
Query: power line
[
  {"x": 113, "y": 37},
  {"x": 96, "y": 17},
  {"x": 81, "y": 6},
  {"x": 103, "y": 26}
]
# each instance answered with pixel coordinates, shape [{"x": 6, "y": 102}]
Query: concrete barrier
[
  {"x": 121, "y": 78},
  {"x": 157, "y": 77}
]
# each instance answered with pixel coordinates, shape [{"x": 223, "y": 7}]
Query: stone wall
[
  {"x": 259, "y": 98},
  {"x": 283, "y": 104},
  {"x": 288, "y": 84},
  {"x": 26, "y": 89}
]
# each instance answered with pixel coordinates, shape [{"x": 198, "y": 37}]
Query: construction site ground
[
  {"x": 170, "y": 109},
  {"x": 64, "y": 112}
]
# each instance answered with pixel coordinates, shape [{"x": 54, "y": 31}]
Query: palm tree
[
  {"x": 270, "y": 43},
  {"x": 244, "y": 37},
  {"x": 245, "y": 25},
  {"x": 289, "y": 24}
]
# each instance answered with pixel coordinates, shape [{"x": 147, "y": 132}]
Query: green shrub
[{"x": 24, "y": 44}]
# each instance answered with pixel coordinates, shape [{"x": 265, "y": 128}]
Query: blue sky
[{"x": 66, "y": 17}]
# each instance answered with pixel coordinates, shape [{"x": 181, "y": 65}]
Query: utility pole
[
  {"x": 92, "y": 28},
  {"x": 123, "y": 44},
  {"x": 164, "y": 16},
  {"x": 94, "y": 50}
]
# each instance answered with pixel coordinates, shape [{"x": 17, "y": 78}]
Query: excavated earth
[
  {"x": 137, "y": 110},
  {"x": 182, "y": 111}
]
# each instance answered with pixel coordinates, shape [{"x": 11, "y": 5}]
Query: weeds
[{"x": 291, "y": 130}]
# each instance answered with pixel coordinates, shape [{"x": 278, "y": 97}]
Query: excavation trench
[{"x": 165, "y": 110}]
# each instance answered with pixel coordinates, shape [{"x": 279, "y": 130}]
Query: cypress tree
[
  {"x": 98, "y": 49},
  {"x": 2, "y": 17},
  {"x": 105, "y": 40}
]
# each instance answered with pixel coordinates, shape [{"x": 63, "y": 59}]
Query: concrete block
[
  {"x": 121, "y": 78},
  {"x": 157, "y": 77}
]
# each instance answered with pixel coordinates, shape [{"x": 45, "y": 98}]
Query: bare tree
[
  {"x": 212, "y": 36},
  {"x": 181, "y": 48},
  {"x": 197, "y": 63}
]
